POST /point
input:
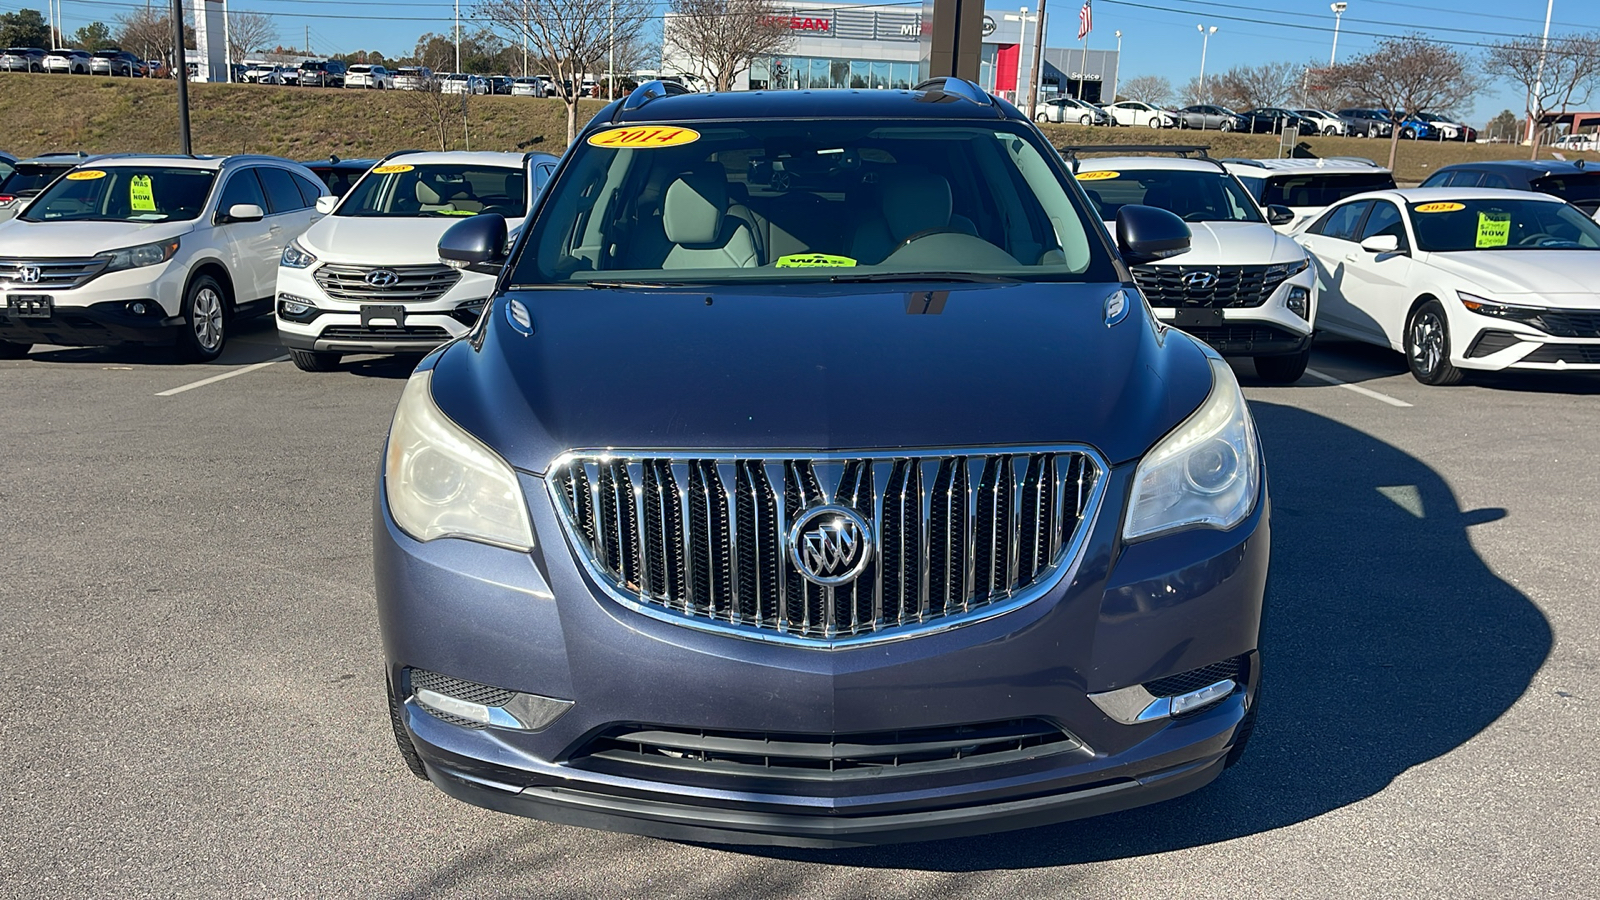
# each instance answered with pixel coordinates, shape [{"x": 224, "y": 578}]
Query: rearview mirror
[
  {"x": 1381, "y": 243},
  {"x": 475, "y": 241},
  {"x": 325, "y": 204},
  {"x": 246, "y": 212},
  {"x": 1279, "y": 215},
  {"x": 1146, "y": 234}
]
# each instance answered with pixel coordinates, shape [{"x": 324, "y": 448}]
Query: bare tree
[
  {"x": 1152, "y": 89},
  {"x": 1250, "y": 87},
  {"x": 723, "y": 36},
  {"x": 249, "y": 32},
  {"x": 1405, "y": 75},
  {"x": 1566, "y": 72},
  {"x": 148, "y": 33},
  {"x": 573, "y": 36},
  {"x": 429, "y": 106}
]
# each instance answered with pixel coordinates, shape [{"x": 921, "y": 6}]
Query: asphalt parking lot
[{"x": 195, "y": 703}]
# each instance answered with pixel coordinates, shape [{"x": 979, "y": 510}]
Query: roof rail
[
  {"x": 648, "y": 91},
  {"x": 1241, "y": 161},
  {"x": 401, "y": 153},
  {"x": 1187, "y": 151},
  {"x": 956, "y": 87}
]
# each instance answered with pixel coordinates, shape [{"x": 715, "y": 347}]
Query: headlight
[
  {"x": 136, "y": 257},
  {"x": 443, "y": 482},
  {"x": 1289, "y": 270},
  {"x": 1205, "y": 474},
  {"x": 296, "y": 257},
  {"x": 1484, "y": 307}
]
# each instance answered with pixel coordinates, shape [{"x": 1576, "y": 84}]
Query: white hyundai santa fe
[
  {"x": 368, "y": 279},
  {"x": 1462, "y": 278},
  {"x": 1243, "y": 288},
  {"x": 165, "y": 250}
]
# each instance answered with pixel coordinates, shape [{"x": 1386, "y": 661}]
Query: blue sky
[{"x": 1159, "y": 36}]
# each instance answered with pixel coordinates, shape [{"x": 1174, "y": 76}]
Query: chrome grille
[
  {"x": 1233, "y": 287},
  {"x": 416, "y": 284},
  {"x": 704, "y": 540},
  {"x": 54, "y": 273}
]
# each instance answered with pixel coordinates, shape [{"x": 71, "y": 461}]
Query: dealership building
[{"x": 845, "y": 45}]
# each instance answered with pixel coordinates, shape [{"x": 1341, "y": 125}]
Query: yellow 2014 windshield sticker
[
  {"x": 141, "y": 197},
  {"x": 1098, "y": 176},
  {"x": 814, "y": 261},
  {"x": 1440, "y": 207},
  {"x": 644, "y": 137},
  {"x": 1494, "y": 229},
  {"x": 392, "y": 168},
  {"x": 85, "y": 175}
]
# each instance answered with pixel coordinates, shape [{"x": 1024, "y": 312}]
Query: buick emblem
[
  {"x": 27, "y": 274},
  {"x": 383, "y": 278},
  {"x": 1199, "y": 281},
  {"x": 830, "y": 545}
]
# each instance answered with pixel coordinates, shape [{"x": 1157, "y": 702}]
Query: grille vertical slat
[{"x": 706, "y": 538}]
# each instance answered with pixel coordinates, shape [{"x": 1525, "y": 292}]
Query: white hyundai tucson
[
  {"x": 1243, "y": 288},
  {"x": 1462, "y": 278},
  {"x": 368, "y": 279}
]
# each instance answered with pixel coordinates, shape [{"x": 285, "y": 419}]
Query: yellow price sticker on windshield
[
  {"x": 1098, "y": 176},
  {"x": 1440, "y": 207},
  {"x": 814, "y": 260},
  {"x": 85, "y": 175},
  {"x": 392, "y": 168},
  {"x": 645, "y": 137},
  {"x": 141, "y": 197},
  {"x": 1494, "y": 229}
]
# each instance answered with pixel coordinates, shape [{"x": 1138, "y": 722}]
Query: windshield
[
  {"x": 1191, "y": 195},
  {"x": 1323, "y": 189},
  {"x": 1582, "y": 191},
  {"x": 401, "y": 189},
  {"x": 807, "y": 201},
  {"x": 123, "y": 194},
  {"x": 1496, "y": 224},
  {"x": 30, "y": 178}
]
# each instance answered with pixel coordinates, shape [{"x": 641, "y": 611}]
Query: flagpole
[{"x": 1083, "y": 64}]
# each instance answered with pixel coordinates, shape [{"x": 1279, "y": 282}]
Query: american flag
[{"x": 1085, "y": 21}]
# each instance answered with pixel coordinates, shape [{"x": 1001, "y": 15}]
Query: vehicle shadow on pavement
[
  {"x": 1356, "y": 362},
  {"x": 1387, "y": 643}
]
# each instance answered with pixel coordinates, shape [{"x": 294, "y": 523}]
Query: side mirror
[
  {"x": 246, "y": 212},
  {"x": 1146, "y": 234},
  {"x": 1381, "y": 243},
  {"x": 475, "y": 241},
  {"x": 1279, "y": 215},
  {"x": 325, "y": 204}
]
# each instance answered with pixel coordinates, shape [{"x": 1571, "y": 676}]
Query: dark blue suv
[{"x": 818, "y": 476}]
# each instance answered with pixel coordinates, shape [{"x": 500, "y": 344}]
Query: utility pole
[
  {"x": 1538, "y": 83},
  {"x": 183, "y": 78},
  {"x": 458, "y": 35},
  {"x": 1033, "y": 70},
  {"x": 525, "y": 40},
  {"x": 1116, "y": 74},
  {"x": 1338, "y": 16},
  {"x": 611, "y": 49},
  {"x": 308, "y": 41}
]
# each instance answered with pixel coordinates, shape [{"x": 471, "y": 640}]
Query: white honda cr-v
[
  {"x": 166, "y": 250},
  {"x": 367, "y": 279}
]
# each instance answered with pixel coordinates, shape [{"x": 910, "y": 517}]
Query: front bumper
[
  {"x": 1266, "y": 330},
  {"x": 536, "y": 623},
  {"x": 97, "y": 313},
  {"x": 341, "y": 326}
]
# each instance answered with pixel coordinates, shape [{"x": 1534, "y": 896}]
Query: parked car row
[
  {"x": 1269, "y": 120},
  {"x": 77, "y": 62}
]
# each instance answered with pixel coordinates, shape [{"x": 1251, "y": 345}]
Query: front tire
[
  {"x": 205, "y": 315},
  {"x": 1330, "y": 131},
  {"x": 314, "y": 361},
  {"x": 1155, "y": 123},
  {"x": 1427, "y": 345},
  {"x": 14, "y": 350},
  {"x": 1041, "y": 117},
  {"x": 402, "y": 739},
  {"x": 1225, "y": 126},
  {"x": 1283, "y": 369},
  {"x": 1085, "y": 120}
]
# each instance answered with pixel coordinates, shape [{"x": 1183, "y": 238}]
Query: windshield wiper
[{"x": 972, "y": 277}]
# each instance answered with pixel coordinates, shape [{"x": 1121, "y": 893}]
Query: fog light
[
  {"x": 1299, "y": 302},
  {"x": 298, "y": 308},
  {"x": 1206, "y": 696},
  {"x": 474, "y": 705}
]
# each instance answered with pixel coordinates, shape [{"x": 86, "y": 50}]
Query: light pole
[
  {"x": 458, "y": 35},
  {"x": 1538, "y": 81},
  {"x": 1338, "y": 15},
  {"x": 1205, "y": 41},
  {"x": 611, "y": 51},
  {"x": 1116, "y": 74}
]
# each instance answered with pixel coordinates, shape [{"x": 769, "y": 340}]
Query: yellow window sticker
[
  {"x": 392, "y": 168},
  {"x": 1440, "y": 207},
  {"x": 814, "y": 260},
  {"x": 141, "y": 197},
  {"x": 85, "y": 175},
  {"x": 1494, "y": 229},
  {"x": 644, "y": 137},
  {"x": 1098, "y": 176}
]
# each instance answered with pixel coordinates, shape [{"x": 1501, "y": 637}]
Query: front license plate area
[
  {"x": 28, "y": 306},
  {"x": 383, "y": 314},
  {"x": 1196, "y": 318}
]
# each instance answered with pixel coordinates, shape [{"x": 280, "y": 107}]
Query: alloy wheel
[
  {"x": 207, "y": 319},
  {"x": 1427, "y": 341}
]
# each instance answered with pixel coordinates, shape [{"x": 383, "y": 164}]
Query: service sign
[{"x": 644, "y": 137}]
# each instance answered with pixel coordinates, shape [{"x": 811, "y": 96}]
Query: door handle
[{"x": 1352, "y": 257}]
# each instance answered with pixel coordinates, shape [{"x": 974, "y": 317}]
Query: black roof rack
[{"x": 1186, "y": 151}]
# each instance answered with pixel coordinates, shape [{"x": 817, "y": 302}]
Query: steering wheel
[
  {"x": 930, "y": 232},
  {"x": 1196, "y": 216},
  {"x": 1535, "y": 238}
]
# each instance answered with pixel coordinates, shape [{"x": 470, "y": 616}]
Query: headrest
[
  {"x": 914, "y": 200},
  {"x": 426, "y": 194},
  {"x": 692, "y": 213}
]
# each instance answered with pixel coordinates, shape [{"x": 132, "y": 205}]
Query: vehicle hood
[
  {"x": 19, "y": 238},
  {"x": 380, "y": 241},
  {"x": 829, "y": 367},
  {"x": 1550, "y": 272}
]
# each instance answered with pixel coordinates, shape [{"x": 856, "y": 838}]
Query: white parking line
[
  {"x": 1365, "y": 392},
  {"x": 223, "y": 377}
]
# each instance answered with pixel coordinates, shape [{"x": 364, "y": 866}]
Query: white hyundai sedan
[{"x": 1461, "y": 278}]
